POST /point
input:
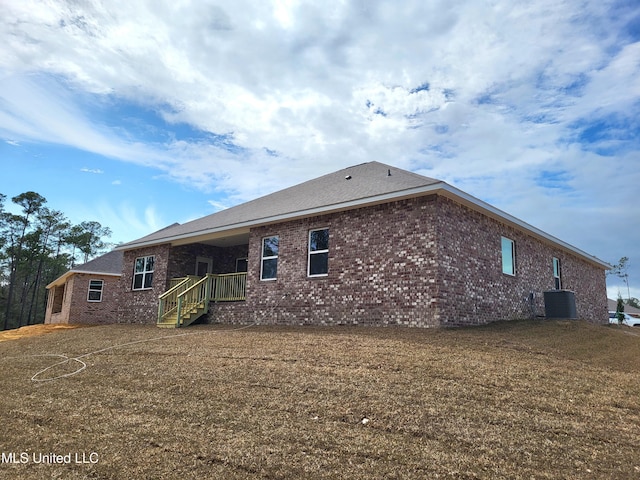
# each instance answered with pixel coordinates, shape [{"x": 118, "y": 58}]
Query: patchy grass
[{"x": 547, "y": 399}]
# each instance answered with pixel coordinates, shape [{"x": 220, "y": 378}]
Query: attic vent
[{"x": 348, "y": 177}]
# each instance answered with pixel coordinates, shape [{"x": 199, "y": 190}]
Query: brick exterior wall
[
  {"x": 420, "y": 262},
  {"x": 141, "y": 306},
  {"x": 77, "y": 309},
  {"x": 473, "y": 289},
  {"x": 382, "y": 269}
]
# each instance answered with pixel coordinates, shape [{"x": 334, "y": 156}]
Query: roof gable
[
  {"x": 353, "y": 187},
  {"x": 350, "y": 184},
  {"x": 107, "y": 264}
]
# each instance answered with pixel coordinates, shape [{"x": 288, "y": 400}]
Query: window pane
[
  {"x": 148, "y": 279},
  {"x": 137, "y": 281},
  {"x": 507, "y": 256},
  {"x": 269, "y": 268},
  {"x": 318, "y": 263},
  {"x": 95, "y": 296},
  {"x": 319, "y": 240},
  {"x": 556, "y": 267},
  {"x": 150, "y": 262},
  {"x": 139, "y": 265},
  {"x": 95, "y": 285},
  {"x": 270, "y": 247}
]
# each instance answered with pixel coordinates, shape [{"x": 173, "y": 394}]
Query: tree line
[{"x": 38, "y": 245}]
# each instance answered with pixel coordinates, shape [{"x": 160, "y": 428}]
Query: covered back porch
[
  {"x": 211, "y": 270},
  {"x": 189, "y": 298}
]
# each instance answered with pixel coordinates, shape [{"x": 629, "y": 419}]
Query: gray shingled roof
[
  {"x": 109, "y": 263},
  {"x": 367, "y": 184},
  {"x": 366, "y": 180}
]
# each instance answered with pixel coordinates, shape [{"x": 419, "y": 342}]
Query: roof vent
[
  {"x": 388, "y": 172},
  {"x": 348, "y": 177}
]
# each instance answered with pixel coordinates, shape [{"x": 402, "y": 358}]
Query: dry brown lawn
[{"x": 530, "y": 400}]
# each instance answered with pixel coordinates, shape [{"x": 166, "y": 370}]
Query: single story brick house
[
  {"x": 87, "y": 293},
  {"x": 369, "y": 245}
]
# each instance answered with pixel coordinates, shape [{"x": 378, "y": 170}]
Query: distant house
[
  {"x": 370, "y": 244},
  {"x": 86, "y": 293},
  {"x": 613, "y": 306}
]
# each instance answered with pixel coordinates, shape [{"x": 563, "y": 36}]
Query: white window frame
[
  {"x": 315, "y": 252},
  {"x": 144, "y": 272},
  {"x": 557, "y": 273},
  {"x": 93, "y": 290},
  {"x": 271, "y": 257},
  {"x": 511, "y": 273}
]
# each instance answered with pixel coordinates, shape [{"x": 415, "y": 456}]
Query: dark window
[
  {"x": 241, "y": 265},
  {"x": 270, "y": 249},
  {"x": 143, "y": 272},
  {"x": 95, "y": 290},
  {"x": 318, "y": 252}
]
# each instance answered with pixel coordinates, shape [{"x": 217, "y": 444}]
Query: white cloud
[
  {"x": 95, "y": 171},
  {"x": 125, "y": 220},
  {"x": 217, "y": 206}
]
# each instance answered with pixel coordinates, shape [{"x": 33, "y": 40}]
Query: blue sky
[{"x": 140, "y": 114}]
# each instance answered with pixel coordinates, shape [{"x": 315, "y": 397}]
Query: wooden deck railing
[
  {"x": 168, "y": 304},
  {"x": 194, "y": 293},
  {"x": 229, "y": 287}
]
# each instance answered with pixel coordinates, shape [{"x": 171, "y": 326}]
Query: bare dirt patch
[
  {"x": 519, "y": 400},
  {"x": 32, "y": 330}
]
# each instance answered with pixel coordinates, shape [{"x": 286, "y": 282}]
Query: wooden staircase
[
  {"x": 187, "y": 316},
  {"x": 189, "y": 298}
]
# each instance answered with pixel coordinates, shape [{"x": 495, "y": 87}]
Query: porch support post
[
  {"x": 179, "y": 311},
  {"x": 160, "y": 309},
  {"x": 210, "y": 287}
]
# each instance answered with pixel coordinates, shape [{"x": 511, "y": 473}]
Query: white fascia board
[
  {"x": 62, "y": 279},
  {"x": 104, "y": 274},
  {"x": 439, "y": 188}
]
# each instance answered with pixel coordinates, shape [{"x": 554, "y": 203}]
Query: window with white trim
[
  {"x": 269, "y": 263},
  {"x": 143, "y": 272},
  {"x": 318, "y": 264},
  {"x": 557, "y": 274},
  {"x": 508, "y": 256},
  {"x": 95, "y": 290}
]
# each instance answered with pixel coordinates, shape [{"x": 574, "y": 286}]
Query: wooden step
[{"x": 187, "y": 318}]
